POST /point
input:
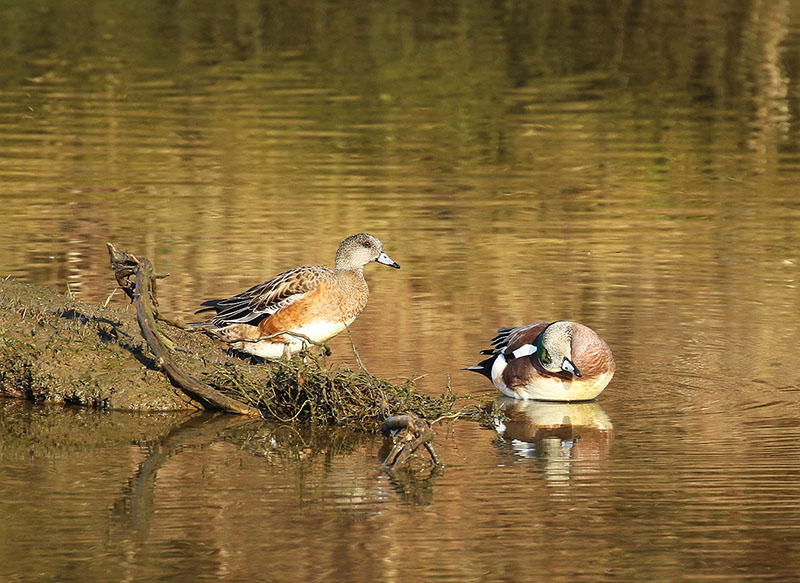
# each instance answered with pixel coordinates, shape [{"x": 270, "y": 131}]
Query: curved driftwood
[
  {"x": 143, "y": 295},
  {"x": 408, "y": 434}
]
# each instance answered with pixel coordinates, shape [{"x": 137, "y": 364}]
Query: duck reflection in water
[{"x": 556, "y": 433}]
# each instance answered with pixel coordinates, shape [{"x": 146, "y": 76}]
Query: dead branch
[
  {"x": 408, "y": 433},
  {"x": 143, "y": 295}
]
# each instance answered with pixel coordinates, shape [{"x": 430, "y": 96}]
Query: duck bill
[
  {"x": 569, "y": 367},
  {"x": 386, "y": 260}
]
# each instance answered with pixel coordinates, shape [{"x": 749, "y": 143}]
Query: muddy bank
[
  {"x": 56, "y": 349},
  {"x": 59, "y": 350}
]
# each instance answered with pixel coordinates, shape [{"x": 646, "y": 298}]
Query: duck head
[
  {"x": 554, "y": 348},
  {"x": 358, "y": 250}
]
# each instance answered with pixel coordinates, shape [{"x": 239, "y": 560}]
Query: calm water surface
[{"x": 631, "y": 166}]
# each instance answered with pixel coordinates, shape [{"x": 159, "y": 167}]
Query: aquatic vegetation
[{"x": 301, "y": 388}]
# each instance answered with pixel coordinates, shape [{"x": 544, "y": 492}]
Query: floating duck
[{"x": 549, "y": 361}]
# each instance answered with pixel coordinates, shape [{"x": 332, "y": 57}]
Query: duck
[
  {"x": 313, "y": 301},
  {"x": 548, "y": 361}
]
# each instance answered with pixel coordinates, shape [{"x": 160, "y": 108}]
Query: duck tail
[{"x": 484, "y": 367}]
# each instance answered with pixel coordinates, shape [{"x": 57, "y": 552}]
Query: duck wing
[
  {"x": 509, "y": 339},
  {"x": 263, "y": 300}
]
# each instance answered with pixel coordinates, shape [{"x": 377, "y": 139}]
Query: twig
[
  {"x": 355, "y": 350},
  {"x": 111, "y": 295}
]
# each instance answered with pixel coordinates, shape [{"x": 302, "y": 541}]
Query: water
[{"x": 633, "y": 167}]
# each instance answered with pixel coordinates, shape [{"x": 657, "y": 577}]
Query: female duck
[
  {"x": 312, "y": 300},
  {"x": 557, "y": 361}
]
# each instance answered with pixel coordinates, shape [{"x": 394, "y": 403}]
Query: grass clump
[{"x": 302, "y": 389}]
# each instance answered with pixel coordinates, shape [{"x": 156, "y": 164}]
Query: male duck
[
  {"x": 312, "y": 300},
  {"x": 550, "y": 361}
]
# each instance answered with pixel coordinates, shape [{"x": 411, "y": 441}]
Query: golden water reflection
[{"x": 632, "y": 166}]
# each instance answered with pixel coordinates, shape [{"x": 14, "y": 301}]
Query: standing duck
[
  {"x": 315, "y": 301},
  {"x": 549, "y": 361}
]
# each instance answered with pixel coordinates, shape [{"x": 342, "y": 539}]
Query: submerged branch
[{"x": 408, "y": 434}]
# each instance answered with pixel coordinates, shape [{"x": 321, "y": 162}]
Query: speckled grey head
[
  {"x": 358, "y": 250},
  {"x": 554, "y": 348}
]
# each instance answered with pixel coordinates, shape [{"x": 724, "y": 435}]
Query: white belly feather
[
  {"x": 319, "y": 331},
  {"x": 556, "y": 389}
]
